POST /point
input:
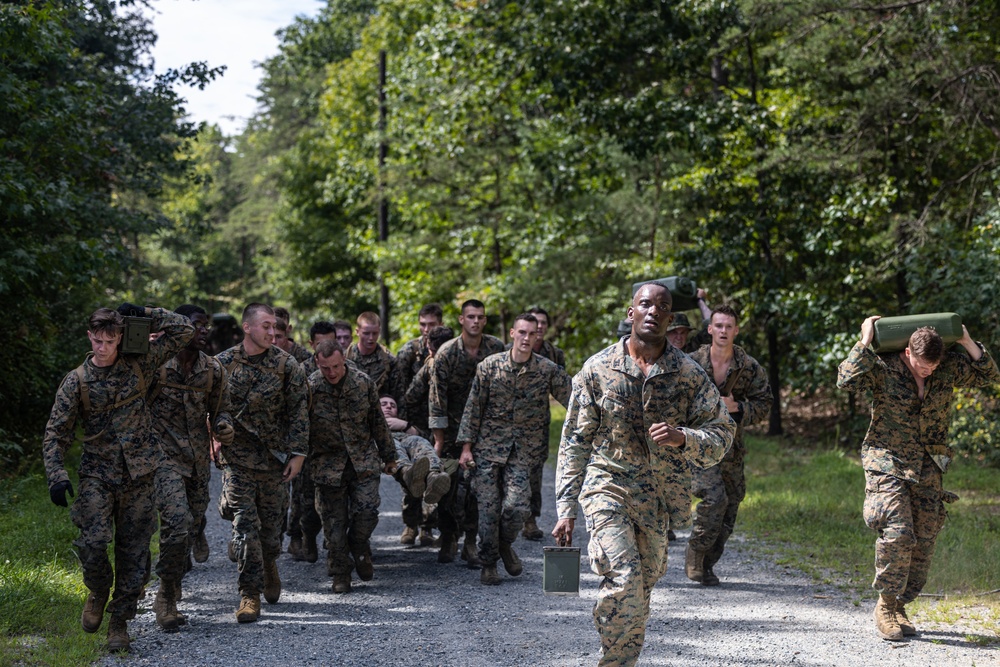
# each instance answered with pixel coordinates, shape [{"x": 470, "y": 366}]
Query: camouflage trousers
[
  {"x": 303, "y": 503},
  {"x": 504, "y": 494},
  {"x": 630, "y": 558},
  {"x": 535, "y": 470},
  {"x": 349, "y": 512},
  {"x": 257, "y": 500},
  {"x": 181, "y": 503},
  {"x": 125, "y": 513},
  {"x": 409, "y": 450},
  {"x": 458, "y": 509},
  {"x": 908, "y": 517},
  {"x": 721, "y": 489}
]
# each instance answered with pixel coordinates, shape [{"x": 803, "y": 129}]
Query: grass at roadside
[{"x": 41, "y": 587}]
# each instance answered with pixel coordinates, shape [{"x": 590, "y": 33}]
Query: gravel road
[{"x": 418, "y": 612}]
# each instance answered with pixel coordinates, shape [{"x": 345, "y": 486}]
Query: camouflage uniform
[
  {"x": 120, "y": 457},
  {"x": 270, "y": 401},
  {"x": 626, "y": 483},
  {"x": 409, "y": 448},
  {"x": 450, "y": 381},
  {"x": 723, "y": 487},
  {"x": 380, "y": 366},
  {"x": 416, "y": 396},
  {"x": 904, "y": 455},
  {"x": 349, "y": 441},
  {"x": 179, "y": 404},
  {"x": 409, "y": 360},
  {"x": 508, "y": 408},
  {"x": 537, "y": 465}
]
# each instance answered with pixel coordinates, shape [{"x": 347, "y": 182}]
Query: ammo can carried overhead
[
  {"x": 892, "y": 334},
  {"x": 135, "y": 339},
  {"x": 683, "y": 290}
]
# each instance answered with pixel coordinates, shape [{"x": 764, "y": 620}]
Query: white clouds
[{"x": 222, "y": 32}]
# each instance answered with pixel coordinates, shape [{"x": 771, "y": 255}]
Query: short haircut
[
  {"x": 187, "y": 310},
  {"x": 727, "y": 310},
  {"x": 432, "y": 310},
  {"x": 342, "y": 325},
  {"x": 369, "y": 318},
  {"x": 280, "y": 324},
  {"x": 656, "y": 283},
  {"x": 473, "y": 303},
  {"x": 438, "y": 336},
  {"x": 326, "y": 348},
  {"x": 537, "y": 310},
  {"x": 282, "y": 314},
  {"x": 252, "y": 309},
  {"x": 526, "y": 317},
  {"x": 105, "y": 320},
  {"x": 321, "y": 328},
  {"x": 926, "y": 343}
]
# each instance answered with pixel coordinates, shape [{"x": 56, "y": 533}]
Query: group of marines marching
[{"x": 461, "y": 422}]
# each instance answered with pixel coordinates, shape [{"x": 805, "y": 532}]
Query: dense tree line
[{"x": 813, "y": 162}]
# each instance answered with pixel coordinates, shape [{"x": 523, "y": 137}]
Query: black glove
[
  {"x": 131, "y": 310},
  {"x": 58, "y": 491}
]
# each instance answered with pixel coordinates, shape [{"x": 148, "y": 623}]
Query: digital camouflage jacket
[
  {"x": 118, "y": 439},
  {"x": 607, "y": 459},
  {"x": 508, "y": 407},
  {"x": 270, "y": 408},
  {"x": 346, "y": 423},
  {"x": 380, "y": 366},
  {"x": 180, "y": 403},
  {"x": 904, "y": 427},
  {"x": 451, "y": 381}
]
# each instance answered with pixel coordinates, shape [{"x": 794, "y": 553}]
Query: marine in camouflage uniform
[
  {"x": 350, "y": 444},
  {"x": 410, "y": 358},
  {"x": 723, "y": 487},
  {"x": 905, "y": 454},
  {"x": 119, "y": 459},
  {"x": 450, "y": 381},
  {"x": 188, "y": 387},
  {"x": 270, "y": 403},
  {"x": 634, "y": 424},
  {"x": 508, "y": 407}
]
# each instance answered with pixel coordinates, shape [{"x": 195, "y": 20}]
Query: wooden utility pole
[{"x": 383, "y": 203}]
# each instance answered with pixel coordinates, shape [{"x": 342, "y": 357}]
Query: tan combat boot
[
  {"x": 886, "y": 622},
  {"x": 470, "y": 554},
  {"x": 93, "y": 611},
  {"x": 909, "y": 630},
  {"x": 272, "y": 582},
  {"x": 249, "y": 609},
  {"x": 200, "y": 548},
  {"x": 165, "y": 606},
  {"x": 409, "y": 536},
  {"x": 694, "y": 564},
  {"x": 363, "y": 565},
  {"x": 426, "y": 538},
  {"x": 438, "y": 484},
  {"x": 449, "y": 546},
  {"x": 415, "y": 477},
  {"x": 118, "y": 634},
  {"x": 511, "y": 562},
  {"x": 295, "y": 548},
  {"x": 531, "y": 530},
  {"x": 341, "y": 583},
  {"x": 489, "y": 576}
]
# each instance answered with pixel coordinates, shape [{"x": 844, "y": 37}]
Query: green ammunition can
[
  {"x": 683, "y": 290},
  {"x": 561, "y": 570},
  {"x": 892, "y": 334},
  {"x": 135, "y": 339}
]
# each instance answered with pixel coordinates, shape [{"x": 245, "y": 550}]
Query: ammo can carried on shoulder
[
  {"x": 135, "y": 339},
  {"x": 892, "y": 334},
  {"x": 561, "y": 570},
  {"x": 683, "y": 290}
]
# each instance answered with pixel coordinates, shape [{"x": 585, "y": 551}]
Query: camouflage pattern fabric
[
  {"x": 299, "y": 352},
  {"x": 409, "y": 448},
  {"x": 626, "y": 483},
  {"x": 503, "y": 492},
  {"x": 118, "y": 441},
  {"x": 904, "y": 455},
  {"x": 558, "y": 357},
  {"x": 347, "y": 425},
  {"x": 450, "y": 382},
  {"x": 409, "y": 360},
  {"x": 349, "y": 512},
  {"x": 380, "y": 366},
  {"x": 303, "y": 506},
  {"x": 723, "y": 487},
  {"x": 258, "y": 500},
  {"x": 270, "y": 408},
  {"x": 553, "y": 354},
  {"x": 122, "y": 509},
  {"x": 309, "y": 365},
  {"x": 176, "y": 522},
  {"x": 414, "y": 405}
]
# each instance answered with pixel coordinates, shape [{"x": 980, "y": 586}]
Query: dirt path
[{"x": 418, "y": 612}]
